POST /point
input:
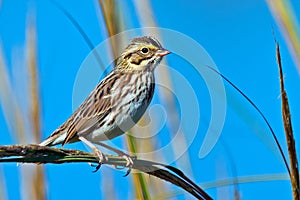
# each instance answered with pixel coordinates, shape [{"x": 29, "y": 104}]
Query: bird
[{"x": 117, "y": 103}]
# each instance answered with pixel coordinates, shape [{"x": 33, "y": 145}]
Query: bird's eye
[{"x": 145, "y": 50}]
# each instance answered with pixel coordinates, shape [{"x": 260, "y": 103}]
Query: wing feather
[{"x": 93, "y": 110}]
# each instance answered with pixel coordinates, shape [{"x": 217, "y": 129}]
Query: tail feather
[{"x": 54, "y": 139}]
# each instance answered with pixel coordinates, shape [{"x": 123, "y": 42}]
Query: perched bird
[{"x": 117, "y": 102}]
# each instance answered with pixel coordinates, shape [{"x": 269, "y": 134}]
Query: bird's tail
[{"x": 54, "y": 139}]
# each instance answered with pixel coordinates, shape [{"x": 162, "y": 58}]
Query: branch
[{"x": 43, "y": 155}]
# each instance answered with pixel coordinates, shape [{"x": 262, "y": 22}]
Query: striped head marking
[{"x": 143, "y": 53}]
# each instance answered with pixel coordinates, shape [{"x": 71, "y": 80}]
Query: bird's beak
[{"x": 162, "y": 52}]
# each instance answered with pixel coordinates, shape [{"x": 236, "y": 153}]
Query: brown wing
[{"x": 93, "y": 110}]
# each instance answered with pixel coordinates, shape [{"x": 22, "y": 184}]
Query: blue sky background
[{"x": 238, "y": 37}]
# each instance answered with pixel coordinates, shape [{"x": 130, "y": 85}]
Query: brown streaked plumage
[{"x": 118, "y": 101}]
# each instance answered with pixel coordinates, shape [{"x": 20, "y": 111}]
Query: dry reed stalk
[
  {"x": 287, "y": 122},
  {"x": 114, "y": 23},
  {"x": 147, "y": 19},
  {"x": 43, "y": 154},
  {"x": 37, "y": 179}
]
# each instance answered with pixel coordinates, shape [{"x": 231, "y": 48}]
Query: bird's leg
[
  {"x": 127, "y": 157},
  {"x": 99, "y": 154}
]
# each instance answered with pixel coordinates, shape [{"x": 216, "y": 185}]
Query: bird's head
[{"x": 143, "y": 53}]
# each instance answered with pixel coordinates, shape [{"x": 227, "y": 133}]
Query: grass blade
[{"x": 260, "y": 113}]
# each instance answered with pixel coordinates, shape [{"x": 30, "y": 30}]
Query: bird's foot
[
  {"x": 128, "y": 158},
  {"x": 129, "y": 162},
  {"x": 97, "y": 152},
  {"x": 101, "y": 157}
]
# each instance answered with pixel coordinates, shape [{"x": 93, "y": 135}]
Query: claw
[
  {"x": 97, "y": 168},
  {"x": 101, "y": 157},
  {"x": 128, "y": 172}
]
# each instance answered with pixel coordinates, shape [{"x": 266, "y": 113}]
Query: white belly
[{"x": 132, "y": 110}]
